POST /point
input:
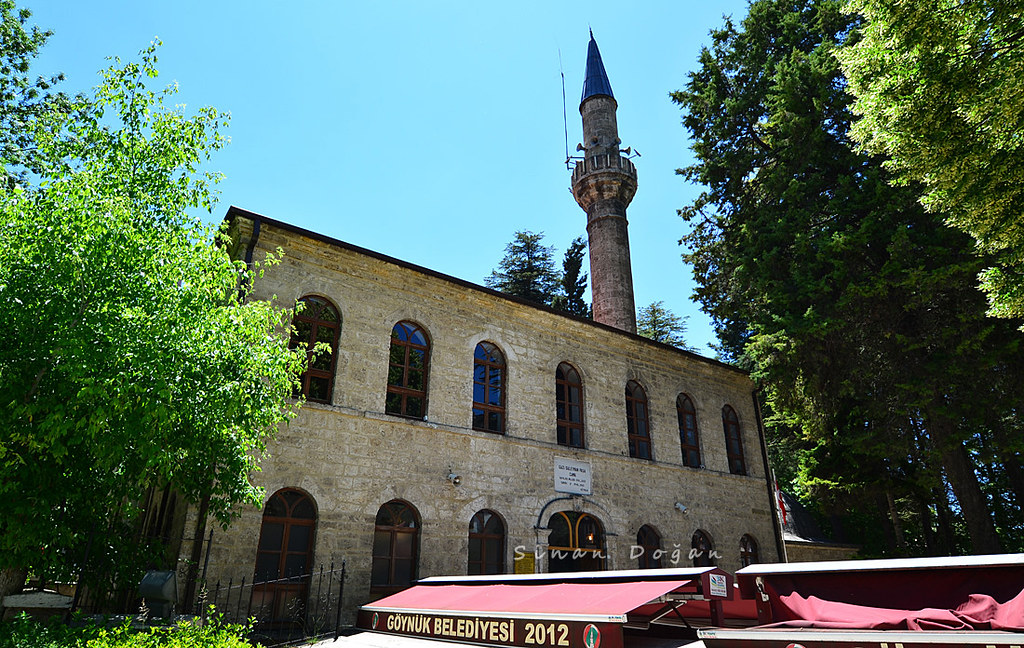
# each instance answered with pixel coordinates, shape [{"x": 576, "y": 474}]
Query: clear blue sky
[{"x": 428, "y": 131}]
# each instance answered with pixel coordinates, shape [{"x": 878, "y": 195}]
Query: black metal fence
[
  {"x": 279, "y": 611},
  {"x": 276, "y": 612}
]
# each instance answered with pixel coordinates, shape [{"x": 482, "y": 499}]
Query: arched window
[
  {"x": 650, "y": 542},
  {"x": 748, "y": 551},
  {"x": 702, "y": 550},
  {"x": 733, "y": 441},
  {"x": 637, "y": 422},
  {"x": 576, "y": 542},
  {"x": 317, "y": 321},
  {"x": 407, "y": 371},
  {"x": 486, "y": 544},
  {"x": 489, "y": 389},
  {"x": 395, "y": 546},
  {"x": 284, "y": 553},
  {"x": 569, "y": 405},
  {"x": 689, "y": 441}
]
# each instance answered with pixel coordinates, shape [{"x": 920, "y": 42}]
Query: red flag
[{"x": 781, "y": 502}]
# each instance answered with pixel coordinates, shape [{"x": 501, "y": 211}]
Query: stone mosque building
[{"x": 453, "y": 429}]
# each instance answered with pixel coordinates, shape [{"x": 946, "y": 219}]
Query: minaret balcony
[{"x": 601, "y": 163}]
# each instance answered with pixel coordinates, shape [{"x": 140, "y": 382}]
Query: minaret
[{"x": 604, "y": 183}]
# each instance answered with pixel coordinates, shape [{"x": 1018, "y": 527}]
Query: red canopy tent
[
  {"x": 569, "y": 609},
  {"x": 975, "y": 600}
]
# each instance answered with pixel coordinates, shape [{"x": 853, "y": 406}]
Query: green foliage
[
  {"x": 528, "y": 271},
  {"x": 573, "y": 284},
  {"x": 940, "y": 88},
  {"x": 24, "y": 632},
  {"x": 23, "y": 100},
  {"x": 656, "y": 322},
  {"x": 129, "y": 356},
  {"x": 854, "y": 308}
]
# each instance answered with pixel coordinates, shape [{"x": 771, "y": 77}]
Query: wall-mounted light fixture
[
  {"x": 454, "y": 479},
  {"x": 682, "y": 509}
]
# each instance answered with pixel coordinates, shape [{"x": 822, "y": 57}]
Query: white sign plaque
[{"x": 572, "y": 476}]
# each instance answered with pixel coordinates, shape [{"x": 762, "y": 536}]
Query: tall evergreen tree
[
  {"x": 854, "y": 308},
  {"x": 573, "y": 284},
  {"x": 658, "y": 323},
  {"x": 940, "y": 87},
  {"x": 527, "y": 269}
]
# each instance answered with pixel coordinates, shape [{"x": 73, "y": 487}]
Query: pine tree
[
  {"x": 573, "y": 284},
  {"x": 527, "y": 270},
  {"x": 658, "y": 323}
]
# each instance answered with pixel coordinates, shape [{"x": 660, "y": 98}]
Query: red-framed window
[
  {"x": 748, "y": 551},
  {"x": 284, "y": 554},
  {"x": 317, "y": 322},
  {"x": 733, "y": 441},
  {"x": 486, "y": 544},
  {"x": 650, "y": 542},
  {"x": 489, "y": 388},
  {"x": 408, "y": 361},
  {"x": 637, "y": 421},
  {"x": 689, "y": 439},
  {"x": 395, "y": 546},
  {"x": 702, "y": 550},
  {"x": 569, "y": 406}
]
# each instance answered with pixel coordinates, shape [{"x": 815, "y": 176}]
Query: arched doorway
[
  {"x": 576, "y": 543},
  {"x": 284, "y": 555}
]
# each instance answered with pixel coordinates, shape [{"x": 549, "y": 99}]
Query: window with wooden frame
[
  {"x": 569, "y": 405},
  {"x": 702, "y": 550},
  {"x": 689, "y": 440},
  {"x": 284, "y": 553},
  {"x": 733, "y": 441},
  {"x": 317, "y": 324},
  {"x": 486, "y": 544},
  {"x": 407, "y": 371},
  {"x": 489, "y": 388},
  {"x": 395, "y": 546},
  {"x": 637, "y": 421},
  {"x": 748, "y": 551},
  {"x": 650, "y": 542}
]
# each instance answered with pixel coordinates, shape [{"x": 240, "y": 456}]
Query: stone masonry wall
[{"x": 351, "y": 457}]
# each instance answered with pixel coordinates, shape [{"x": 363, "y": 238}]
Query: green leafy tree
[
  {"x": 23, "y": 100},
  {"x": 527, "y": 269},
  {"x": 854, "y": 308},
  {"x": 573, "y": 284},
  {"x": 129, "y": 357},
  {"x": 940, "y": 90},
  {"x": 658, "y": 323}
]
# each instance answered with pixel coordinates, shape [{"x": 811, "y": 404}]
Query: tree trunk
[
  {"x": 12, "y": 579},
  {"x": 964, "y": 482},
  {"x": 897, "y": 525}
]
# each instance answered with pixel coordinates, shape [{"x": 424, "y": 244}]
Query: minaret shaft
[{"x": 603, "y": 184}]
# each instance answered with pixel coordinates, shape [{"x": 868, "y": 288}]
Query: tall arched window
[
  {"x": 407, "y": 371},
  {"x": 689, "y": 441},
  {"x": 569, "y": 405},
  {"x": 637, "y": 422},
  {"x": 576, "y": 542},
  {"x": 284, "y": 553},
  {"x": 489, "y": 388},
  {"x": 702, "y": 550},
  {"x": 748, "y": 551},
  {"x": 650, "y": 542},
  {"x": 733, "y": 441},
  {"x": 486, "y": 544},
  {"x": 395, "y": 546},
  {"x": 317, "y": 322}
]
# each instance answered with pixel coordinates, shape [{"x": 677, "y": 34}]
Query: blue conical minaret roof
[{"x": 596, "y": 81}]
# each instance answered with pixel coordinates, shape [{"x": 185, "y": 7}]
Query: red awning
[{"x": 570, "y": 601}]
